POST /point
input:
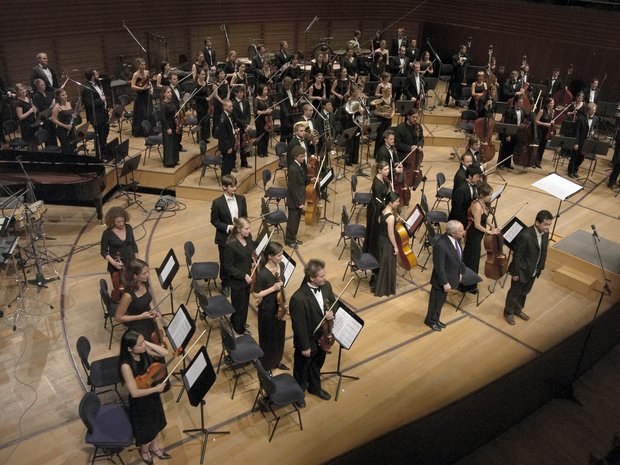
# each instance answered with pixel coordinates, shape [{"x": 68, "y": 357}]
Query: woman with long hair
[
  {"x": 62, "y": 117},
  {"x": 263, "y": 109},
  {"x": 141, "y": 85},
  {"x": 118, "y": 244},
  {"x": 388, "y": 249},
  {"x": 543, "y": 121},
  {"x": 171, "y": 139},
  {"x": 26, "y": 114}
]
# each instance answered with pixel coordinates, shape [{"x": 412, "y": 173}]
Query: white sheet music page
[
  {"x": 193, "y": 372},
  {"x": 346, "y": 328}
]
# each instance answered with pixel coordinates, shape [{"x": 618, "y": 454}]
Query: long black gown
[
  {"x": 261, "y": 135},
  {"x": 141, "y": 108},
  {"x": 66, "y": 137},
  {"x": 378, "y": 191},
  {"x": 271, "y": 330},
  {"x": 25, "y": 128},
  {"x": 171, "y": 141},
  {"x": 386, "y": 277},
  {"x": 202, "y": 111},
  {"x": 138, "y": 306},
  {"x": 473, "y": 249}
]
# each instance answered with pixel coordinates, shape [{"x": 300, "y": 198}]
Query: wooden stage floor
[{"x": 406, "y": 371}]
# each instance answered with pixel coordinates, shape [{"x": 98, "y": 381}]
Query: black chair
[
  {"x": 126, "y": 115},
  {"x": 10, "y": 128},
  {"x": 206, "y": 271},
  {"x": 240, "y": 352},
  {"x": 444, "y": 194},
  {"x": 445, "y": 74},
  {"x": 273, "y": 193},
  {"x": 275, "y": 393},
  {"x": 436, "y": 217},
  {"x": 108, "y": 428},
  {"x": 41, "y": 136},
  {"x": 357, "y": 198},
  {"x": 216, "y": 308},
  {"x": 349, "y": 231},
  {"x": 100, "y": 373},
  {"x": 214, "y": 162},
  {"x": 109, "y": 309},
  {"x": 360, "y": 262},
  {"x": 282, "y": 160},
  {"x": 151, "y": 140},
  {"x": 467, "y": 118},
  {"x": 274, "y": 218},
  {"x": 465, "y": 96}
]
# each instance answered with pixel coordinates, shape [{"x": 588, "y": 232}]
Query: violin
[
  {"x": 268, "y": 123},
  {"x": 327, "y": 338},
  {"x": 496, "y": 262},
  {"x": 117, "y": 282},
  {"x": 281, "y": 299},
  {"x": 245, "y": 139},
  {"x": 180, "y": 121}
]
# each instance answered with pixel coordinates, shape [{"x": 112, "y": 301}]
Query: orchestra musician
[
  {"x": 514, "y": 115},
  {"x": 294, "y": 72},
  {"x": 384, "y": 52},
  {"x": 263, "y": 109},
  {"x": 387, "y": 153},
  {"x": 298, "y": 139},
  {"x": 43, "y": 71},
  {"x": 400, "y": 68},
  {"x": 528, "y": 260},
  {"x": 409, "y": 134},
  {"x": 377, "y": 67},
  {"x": 224, "y": 210},
  {"x": 459, "y": 62},
  {"x": 141, "y": 85},
  {"x": 341, "y": 89},
  {"x": 544, "y": 122},
  {"x": 318, "y": 91},
  {"x": 350, "y": 121},
  {"x": 593, "y": 93},
  {"x": 478, "y": 90},
  {"x": 579, "y": 107},
  {"x": 464, "y": 195},
  {"x": 413, "y": 52},
  {"x": 448, "y": 270},
  {"x": 96, "y": 107},
  {"x": 414, "y": 85},
  {"x": 168, "y": 112},
  {"x": 62, "y": 117},
  {"x": 554, "y": 83},
  {"x": 615, "y": 164},
  {"x": 227, "y": 137},
  {"x": 319, "y": 66},
  {"x": 375, "y": 43},
  {"x": 201, "y": 104},
  {"x": 487, "y": 104},
  {"x": 231, "y": 65},
  {"x": 26, "y": 114},
  {"x": 265, "y": 77},
  {"x": 146, "y": 411},
  {"x": 209, "y": 54},
  {"x": 384, "y": 110},
  {"x": 460, "y": 178},
  {"x": 354, "y": 43},
  {"x": 525, "y": 75},
  {"x": 399, "y": 41},
  {"x": 268, "y": 284},
  {"x": 258, "y": 60},
  {"x": 512, "y": 86},
  {"x": 220, "y": 92},
  {"x": 238, "y": 261},
  {"x": 351, "y": 64},
  {"x": 473, "y": 148},
  {"x": 387, "y": 248},
  {"x": 325, "y": 124},
  {"x": 199, "y": 65},
  {"x": 177, "y": 99},
  {"x": 44, "y": 101},
  {"x": 287, "y": 104},
  {"x": 385, "y": 82},
  {"x": 163, "y": 77},
  {"x": 381, "y": 185},
  {"x": 584, "y": 128},
  {"x": 283, "y": 57},
  {"x": 426, "y": 65},
  {"x": 118, "y": 244},
  {"x": 240, "y": 79},
  {"x": 308, "y": 308},
  {"x": 296, "y": 194},
  {"x": 241, "y": 116}
]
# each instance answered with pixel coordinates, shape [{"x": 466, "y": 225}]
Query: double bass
[
  {"x": 496, "y": 262},
  {"x": 313, "y": 199},
  {"x": 527, "y": 140},
  {"x": 406, "y": 258},
  {"x": 483, "y": 128}
]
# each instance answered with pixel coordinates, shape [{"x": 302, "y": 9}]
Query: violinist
[
  {"x": 296, "y": 194},
  {"x": 220, "y": 92},
  {"x": 96, "y": 106},
  {"x": 26, "y": 114},
  {"x": 268, "y": 288},
  {"x": 319, "y": 66},
  {"x": 44, "y": 101},
  {"x": 341, "y": 89},
  {"x": 118, "y": 244},
  {"x": 238, "y": 262},
  {"x": 226, "y": 138},
  {"x": 63, "y": 117},
  {"x": 134, "y": 309},
  {"x": 201, "y": 103},
  {"x": 460, "y": 178},
  {"x": 514, "y": 115},
  {"x": 199, "y": 65},
  {"x": 384, "y": 109},
  {"x": 583, "y": 130},
  {"x": 479, "y": 89},
  {"x": 464, "y": 195},
  {"x": 381, "y": 185},
  {"x": 287, "y": 103},
  {"x": 480, "y": 222},
  {"x": 308, "y": 308},
  {"x": 169, "y": 134},
  {"x": 388, "y": 250},
  {"x": 146, "y": 411},
  {"x": 241, "y": 117},
  {"x": 141, "y": 85},
  {"x": 544, "y": 122},
  {"x": 263, "y": 121}
]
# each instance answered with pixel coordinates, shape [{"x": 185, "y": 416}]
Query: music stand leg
[
  {"x": 555, "y": 222},
  {"x": 202, "y": 430},
  {"x": 338, "y": 373}
]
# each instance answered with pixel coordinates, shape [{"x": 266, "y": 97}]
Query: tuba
[
  {"x": 353, "y": 106},
  {"x": 381, "y": 108}
]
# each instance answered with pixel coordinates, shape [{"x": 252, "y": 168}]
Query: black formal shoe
[
  {"x": 246, "y": 166},
  {"x": 523, "y": 316},
  {"x": 321, "y": 394},
  {"x": 161, "y": 454},
  {"x": 434, "y": 326},
  {"x": 235, "y": 170},
  {"x": 299, "y": 242},
  {"x": 226, "y": 291},
  {"x": 300, "y": 403},
  {"x": 282, "y": 366},
  {"x": 292, "y": 245},
  {"x": 148, "y": 461},
  {"x": 441, "y": 324},
  {"x": 509, "y": 319},
  {"x": 571, "y": 175}
]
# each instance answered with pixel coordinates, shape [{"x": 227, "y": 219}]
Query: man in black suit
[
  {"x": 592, "y": 94},
  {"x": 287, "y": 108},
  {"x": 283, "y": 57},
  {"x": 209, "y": 54},
  {"x": 325, "y": 123},
  {"x": 512, "y": 86},
  {"x": 554, "y": 83},
  {"x": 257, "y": 60},
  {"x": 514, "y": 115},
  {"x": 43, "y": 71},
  {"x": 96, "y": 108},
  {"x": 241, "y": 117},
  {"x": 413, "y": 52},
  {"x": 583, "y": 130},
  {"x": 226, "y": 134},
  {"x": 464, "y": 195},
  {"x": 458, "y": 61},
  {"x": 398, "y": 42},
  {"x": 177, "y": 98},
  {"x": 223, "y": 210},
  {"x": 448, "y": 270},
  {"x": 409, "y": 135},
  {"x": 399, "y": 66},
  {"x": 298, "y": 140},
  {"x": 460, "y": 177},
  {"x": 528, "y": 260},
  {"x": 414, "y": 86},
  {"x": 296, "y": 195},
  {"x": 308, "y": 308}
]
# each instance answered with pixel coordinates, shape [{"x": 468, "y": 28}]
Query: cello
[
  {"x": 495, "y": 265},
  {"x": 527, "y": 140},
  {"x": 406, "y": 258},
  {"x": 313, "y": 199},
  {"x": 483, "y": 128}
]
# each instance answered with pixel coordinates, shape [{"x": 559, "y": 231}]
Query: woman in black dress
[
  {"x": 543, "y": 124},
  {"x": 271, "y": 329},
  {"x": 317, "y": 91},
  {"x": 320, "y": 66},
  {"x": 221, "y": 92},
  {"x": 134, "y": 309},
  {"x": 118, "y": 245},
  {"x": 62, "y": 117},
  {"x": 44, "y": 101},
  {"x": 163, "y": 78},
  {"x": 350, "y": 63},
  {"x": 141, "y": 85},
  {"x": 238, "y": 258},
  {"x": 146, "y": 411},
  {"x": 377, "y": 67},
  {"x": 379, "y": 189},
  {"x": 263, "y": 121},
  {"x": 168, "y": 110},
  {"x": 481, "y": 223},
  {"x": 388, "y": 250},
  {"x": 478, "y": 90},
  {"x": 341, "y": 89},
  {"x": 26, "y": 114},
  {"x": 201, "y": 103}
]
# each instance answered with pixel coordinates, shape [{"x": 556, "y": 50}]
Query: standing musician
[
  {"x": 325, "y": 124},
  {"x": 381, "y": 185},
  {"x": 593, "y": 93},
  {"x": 387, "y": 154},
  {"x": 241, "y": 117},
  {"x": 459, "y": 62},
  {"x": 414, "y": 85},
  {"x": 400, "y": 68},
  {"x": 307, "y": 117},
  {"x": 294, "y": 72},
  {"x": 118, "y": 244},
  {"x": 512, "y": 86},
  {"x": 170, "y": 136},
  {"x": 238, "y": 260},
  {"x": 480, "y": 222},
  {"x": 341, "y": 89},
  {"x": 473, "y": 148},
  {"x": 201, "y": 103},
  {"x": 544, "y": 123},
  {"x": 231, "y": 65},
  {"x": 308, "y": 308},
  {"x": 318, "y": 91},
  {"x": 26, "y": 114},
  {"x": 44, "y": 101},
  {"x": 409, "y": 135},
  {"x": 377, "y": 67},
  {"x": 388, "y": 250},
  {"x": 584, "y": 128},
  {"x": 146, "y": 411},
  {"x": 227, "y": 137},
  {"x": 96, "y": 107},
  {"x": 479, "y": 89},
  {"x": 209, "y": 54},
  {"x": 448, "y": 270},
  {"x": 220, "y": 92},
  {"x": 350, "y": 121},
  {"x": 413, "y": 52},
  {"x": 283, "y": 57},
  {"x": 199, "y": 65},
  {"x": 177, "y": 99},
  {"x": 385, "y": 82},
  {"x": 460, "y": 177},
  {"x": 528, "y": 260},
  {"x": 351, "y": 64},
  {"x": 579, "y": 107},
  {"x": 554, "y": 83},
  {"x": 399, "y": 41},
  {"x": 269, "y": 289},
  {"x": 487, "y": 104},
  {"x": 141, "y": 85},
  {"x": 266, "y": 77},
  {"x": 240, "y": 79},
  {"x": 43, "y": 71},
  {"x": 258, "y": 60},
  {"x": 224, "y": 210},
  {"x": 298, "y": 140},
  {"x": 384, "y": 110},
  {"x": 62, "y": 117},
  {"x": 287, "y": 103},
  {"x": 426, "y": 65},
  {"x": 615, "y": 164},
  {"x": 296, "y": 194},
  {"x": 319, "y": 66},
  {"x": 384, "y": 52},
  {"x": 464, "y": 195},
  {"x": 264, "y": 120},
  {"x": 525, "y": 74},
  {"x": 514, "y": 115},
  {"x": 163, "y": 77}
]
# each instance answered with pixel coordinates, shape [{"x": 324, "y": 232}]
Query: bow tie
[
  {"x": 590, "y": 117},
  {"x": 316, "y": 290},
  {"x": 230, "y": 199}
]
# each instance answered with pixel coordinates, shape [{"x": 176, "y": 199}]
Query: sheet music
[
  {"x": 262, "y": 243},
  {"x": 557, "y": 186},
  {"x": 513, "y": 232},
  {"x": 194, "y": 371},
  {"x": 289, "y": 267},
  {"x": 165, "y": 271},
  {"x": 346, "y": 328},
  {"x": 498, "y": 192},
  {"x": 178, "y": 328},
  {"x": 415, "y": 215},
  {"x": 328, "y": 177}
]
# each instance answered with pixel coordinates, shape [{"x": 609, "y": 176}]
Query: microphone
[{"x": 595, "y": 232}]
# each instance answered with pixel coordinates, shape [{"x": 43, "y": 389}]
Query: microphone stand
[
  {"x": 428, "y": 42},
  {"x": 133, "y": 37},
  {"x": 316, "y": 18},
  {"x": 97, "y": 142}
]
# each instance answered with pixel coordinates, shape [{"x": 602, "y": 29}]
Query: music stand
[
  {"x": 403, "y": 107},
  {"x": 592, "y": 148},
  {"x": 341, "y": 141},
  {"x": 347, "y": 326},
  {"x": 166, "y": 273},
  {"x": 322, "y": 185},
  {"x": 559, "y": 143},
  {"x": 130, "y": 165},
  {"x": 535, "y": 88},
  {"x": 607, "y": 111},
  {"x": 501, "y": 107},
  {"x": 398, "y": 86},
  {"x": 198, "y": 379},
  {"x": 370, "y": 131},
  {"x": 180, "y": 331},
  {"x": 560, "y": 188}
]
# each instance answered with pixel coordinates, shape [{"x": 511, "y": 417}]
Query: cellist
[{"x": 409, "y": 138}]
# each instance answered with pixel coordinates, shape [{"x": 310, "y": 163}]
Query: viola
[
  {"x": 154, "y": 374},
  {"x": 245, "y": 139},
  {"x": 117, "y": 282},
  {"x": 180, "y": 121},
  {"x": 495, "y": 265},
  {"x": 313, "y": 200},
  {"x": 281, "y": 299},
  {"x": 268, "y": 123},
  {"x": 406, "y": 258}
]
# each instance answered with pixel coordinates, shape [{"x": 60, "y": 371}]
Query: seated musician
[{"x": 478, "y": 90}]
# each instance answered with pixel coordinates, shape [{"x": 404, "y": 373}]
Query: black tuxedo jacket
[
  {"x": 37, "y": 73},
  {"x": 296, "y": 194},
  {"x": 383, "y": 154},
  {"x": 460, "y": 178},
  {"x": 395, "y": 67},
  {"x": 94, "y": 106},
  {"x": 447, "y": 265},
  {"x": 225, "y": 134},
  {"x": 411, "y": 89},
  {"x": 177, "y": 100},
  {"x": 525, "y": 262},
  {"x": 241, "y": 118},
  {"x": 413, "y": 54},
  {"x": 510, "y": 88},
  {"x": 210, "y": 59},
  {"x": 294, "y": 142},
  {"x": 596, "y": 95},
  {"x": 557, "y": 85},
  {"x": 237, "y": 261},
  {"x": 582, "y": 129},
  {"x": 257, "y": 63},
  {"x": 281, "y": 58},
  {"x": 461, "y": 200},
  {"x": 306, "y": 314},
  {"x": 394, "y": 45},
  {"x": 221, "y": 219},
  {"x": 321, "y": 123}
]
